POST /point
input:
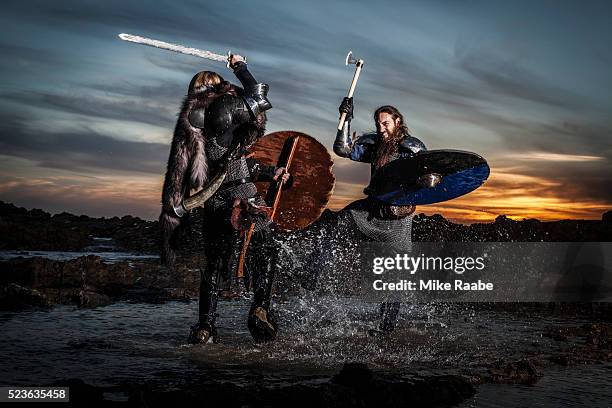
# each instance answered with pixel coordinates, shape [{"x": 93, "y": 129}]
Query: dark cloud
[
  {"x": 163, "y": 92},
  {"x": 85, "y": 151},
  {"x": 14, "y": 55},
  {"x": 151, "y": 111},
  {"x": 186, "y": 65},
  {"x": 500, "y": 73}
]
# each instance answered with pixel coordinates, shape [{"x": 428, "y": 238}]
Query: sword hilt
[{"x": 229, "y": 57}]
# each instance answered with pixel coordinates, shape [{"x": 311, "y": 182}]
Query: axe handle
[{"x": 358, "y": 67}]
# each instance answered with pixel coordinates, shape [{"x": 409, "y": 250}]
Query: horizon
[
  {"x": 417, "y": 213},
  {"x": 87, "y": 119}
]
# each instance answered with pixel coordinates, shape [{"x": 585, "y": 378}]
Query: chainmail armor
[
  {"x": 236, "y": 169},
  {"x": 395, "y": 231}
]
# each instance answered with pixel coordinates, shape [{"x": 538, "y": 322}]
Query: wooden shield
[{"x": 310, "y": 167}]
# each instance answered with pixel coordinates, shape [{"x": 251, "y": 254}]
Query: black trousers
[{"x": 222, "y": 245}]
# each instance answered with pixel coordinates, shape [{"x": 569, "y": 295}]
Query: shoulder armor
[
  {"x": 256, "y": 98},
  {"x": 368, "y": 138},
  {"x": 224, "y": 112},
  {"x": 197, "y": 117},
  {"x": 413, "y": 144}
]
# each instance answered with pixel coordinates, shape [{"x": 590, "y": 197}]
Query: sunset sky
[{"x": 86, "y": 119}]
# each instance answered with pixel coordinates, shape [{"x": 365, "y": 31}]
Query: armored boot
[
  {"x": 202, "y": 333},
  {"x": 205, "y": 330},
  {"x": 261, "y": 321},
  {"x": 262, "y": 324},
  {"x": 389, "y": 312}
]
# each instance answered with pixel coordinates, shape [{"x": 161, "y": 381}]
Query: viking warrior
[
  {"x": 370, "y": 219},
  {"x": 217, "y": 123}
]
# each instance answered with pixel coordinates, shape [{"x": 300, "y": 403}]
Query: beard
[{"x": 388, "y": 147}]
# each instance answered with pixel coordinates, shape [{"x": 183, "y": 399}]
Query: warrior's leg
[
  {"x": 262, "y": 264},
  {"x": 389, "y": 309},
  {"x": 218, "y": 250},
  {"x": 389, "y": 312},
  {"x": 207, "y": 311}
]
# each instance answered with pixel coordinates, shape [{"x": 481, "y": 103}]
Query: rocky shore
[
  {"x": 22, "y": 229},
  {"x": 90, "y": 281}
]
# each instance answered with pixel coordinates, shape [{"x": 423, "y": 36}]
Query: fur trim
[{"x": 167, "y": 225}]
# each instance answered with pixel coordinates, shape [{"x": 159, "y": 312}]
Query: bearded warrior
[{"x": 369, "y": 219}]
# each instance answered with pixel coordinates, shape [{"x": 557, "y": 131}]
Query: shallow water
[
  {"x": 582, "y": 386},
  {"x": 103, "y": 247},
  {"x": 108, "y": 256},
  {"x": 134, "y": 342}
]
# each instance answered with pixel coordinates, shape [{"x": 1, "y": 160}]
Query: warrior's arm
[
  {"x": 260, "y": 172},
  {"x": 255, "y": 94},
  {"x": 343, "y": 145}
]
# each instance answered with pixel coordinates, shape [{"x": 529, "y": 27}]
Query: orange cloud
[
  {"x": 95, "y": 196},
  {"x": 506, "y": 192},
  {"x": 515, "y": 195}
]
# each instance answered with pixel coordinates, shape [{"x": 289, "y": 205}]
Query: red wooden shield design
[{"x": 310, "y": 167}]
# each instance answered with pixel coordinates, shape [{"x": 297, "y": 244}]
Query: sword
[{"x": 181, "y": 49}]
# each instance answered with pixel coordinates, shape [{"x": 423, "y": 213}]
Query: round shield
[
  {"x": 429, "y": 177},
  {"x": 312, "y": 181}
]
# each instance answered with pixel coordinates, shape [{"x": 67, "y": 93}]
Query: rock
[
  {"x": 89, "y": 298},
  {"x": 15, "y": 297},
  {"x": 355, "y": 386},
  {"x": 89, "y": 282},
  {"x": 81, "y": 394},
  {"x": 518, "y": 372}
]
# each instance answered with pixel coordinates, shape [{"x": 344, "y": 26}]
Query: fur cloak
[{"x": 188, "y": 164}]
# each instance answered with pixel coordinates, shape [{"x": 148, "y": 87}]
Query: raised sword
[{"x": 181, "y": 49}]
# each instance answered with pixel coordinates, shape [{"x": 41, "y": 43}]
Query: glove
[{"x": 347, "y": 107}]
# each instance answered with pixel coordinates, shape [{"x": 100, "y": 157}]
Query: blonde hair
[{"x": 203, "y": 80}]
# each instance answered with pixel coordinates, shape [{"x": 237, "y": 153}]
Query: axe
[{"x": 358, "y": 65}]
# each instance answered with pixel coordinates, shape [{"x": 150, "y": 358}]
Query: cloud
[
  {"x": 95, "y": 196},
  {"x": 84, "y": 151},
  {"x": 554, "y": 157},
  {"x": 501, "y": 73},
  {"x": 27, "y": 58},
  {"x": 120, "y": 107}
]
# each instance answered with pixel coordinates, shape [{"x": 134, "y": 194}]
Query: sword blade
[{"x": 173, "y": 47}]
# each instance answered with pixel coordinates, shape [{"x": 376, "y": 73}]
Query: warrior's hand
[
  {"x": 283, "y": 174},
  {"x": 235, "y": 59},
  {"x": 347, "y": 107}
]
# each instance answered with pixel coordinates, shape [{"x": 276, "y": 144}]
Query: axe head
[{"x": 351, "y": 60}]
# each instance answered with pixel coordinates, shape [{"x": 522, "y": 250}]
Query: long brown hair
[{"x": 388, "y": 148}]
